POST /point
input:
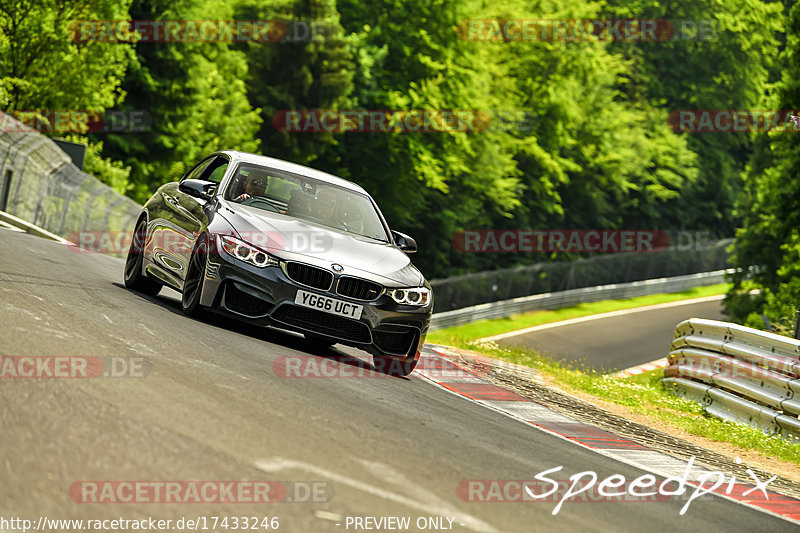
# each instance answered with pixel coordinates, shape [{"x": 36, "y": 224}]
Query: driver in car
[{"x": 254, "y": 185}]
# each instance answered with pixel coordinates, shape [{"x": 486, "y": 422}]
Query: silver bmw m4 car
[{"x": 280, "y": 244}]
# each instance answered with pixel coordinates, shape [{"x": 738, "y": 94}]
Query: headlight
[
  {"x": 247, "y": 252},
  {"x": 412, "y": 296}
]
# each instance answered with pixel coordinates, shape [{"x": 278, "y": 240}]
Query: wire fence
[
  {"x": 498, "y": 285},
  {"x": 39, "y": 184}
]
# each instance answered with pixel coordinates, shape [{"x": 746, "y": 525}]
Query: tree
[
  {"x": 38, "y": 44},
  {"x": 767, "y": 247},
  {"x": 309, "y": 66},
  {"x": 193, "y": 90},
  {"x": 711, "y": 60}
]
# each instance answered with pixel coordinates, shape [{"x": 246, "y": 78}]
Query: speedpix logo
[{"x": 588, "y": 487}]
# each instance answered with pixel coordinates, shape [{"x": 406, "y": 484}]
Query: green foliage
[
  {"x": 43, "y": 68},
  {"x": 780, "y": 308},
  {"x": 594, "y": 150},
  {"x": 112, "y": 173},
  {"x": 722, "y": 56},
  {"x": 608, "y": 160},
  {"x": 195, "y": 93},
  {"x": 430, "y": 184},
  {"x": 768, "y": 244},
  {"x": 310, "y": 70}
]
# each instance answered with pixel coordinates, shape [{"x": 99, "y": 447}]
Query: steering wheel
[{"x": 261, "y": 203}]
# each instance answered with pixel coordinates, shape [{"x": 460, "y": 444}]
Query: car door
[
  {"x": 190, "y": 214},
  {"x": 177, "y": 225}
]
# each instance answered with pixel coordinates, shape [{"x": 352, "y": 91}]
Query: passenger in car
[
  {"x": 326, "y": 209},
  {"x": 299, "y": 204}
]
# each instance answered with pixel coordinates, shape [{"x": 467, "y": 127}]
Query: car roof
[{"x": 294, "y": 168}]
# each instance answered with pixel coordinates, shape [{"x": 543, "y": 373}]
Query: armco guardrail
[
  {"x": 39, "y": 184},
  {"x": 555, "y": 300},
  {"x": 738, "y": 373}
]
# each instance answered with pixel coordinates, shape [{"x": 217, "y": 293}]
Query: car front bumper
[{"x": 266, "y": 296}]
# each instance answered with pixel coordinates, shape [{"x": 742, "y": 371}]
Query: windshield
[{"x": 307, "y": 199}]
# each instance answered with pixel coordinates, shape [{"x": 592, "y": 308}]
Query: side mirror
[
  {"x": 404, "y": 242},
  {"x": 197, "y": 188}
]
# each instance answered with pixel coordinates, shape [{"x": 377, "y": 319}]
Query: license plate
[{"x": 329, "y": 305}]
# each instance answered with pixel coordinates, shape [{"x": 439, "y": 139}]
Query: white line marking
[
  {"x": 326, "y": 515},
  {"x": 6, "y": 225},
  {"x": 610, "y": 314},
  {"x": 31, "y": 228},
  {"x": 279, "y": 463}
]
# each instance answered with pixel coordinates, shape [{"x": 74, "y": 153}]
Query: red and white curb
[
  {"x": 439, "y": 369},
  {"x": 640, "y": 369}
]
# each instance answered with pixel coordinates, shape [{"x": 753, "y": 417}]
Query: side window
[
  {"x": 215, "y": 170},
  {"x": 198, "y": 170}
]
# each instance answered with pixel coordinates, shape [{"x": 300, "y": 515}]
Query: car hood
[{"x": 297, "y": 240}]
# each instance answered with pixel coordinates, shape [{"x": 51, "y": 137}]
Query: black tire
[
  {"x": 134, "y": 277},
  {"x": 315, "y": 341},
  {"x": 393, "y": 367},
  {"x": 193, "y": 285}
]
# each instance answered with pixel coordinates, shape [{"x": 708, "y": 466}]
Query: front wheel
[
  {"x": 393, "y": 367},
  {"x": 193, "y": 284},
  {"x": 134, "y": 277}
]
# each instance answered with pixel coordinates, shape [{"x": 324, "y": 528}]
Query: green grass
[
  {"x": 646, "y": 396},
  {"x": 487, "y": 328}
]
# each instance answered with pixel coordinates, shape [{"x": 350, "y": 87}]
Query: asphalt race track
[
  {"x": 208, "y": 402},
  {"x": 616, "y": 342}
]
